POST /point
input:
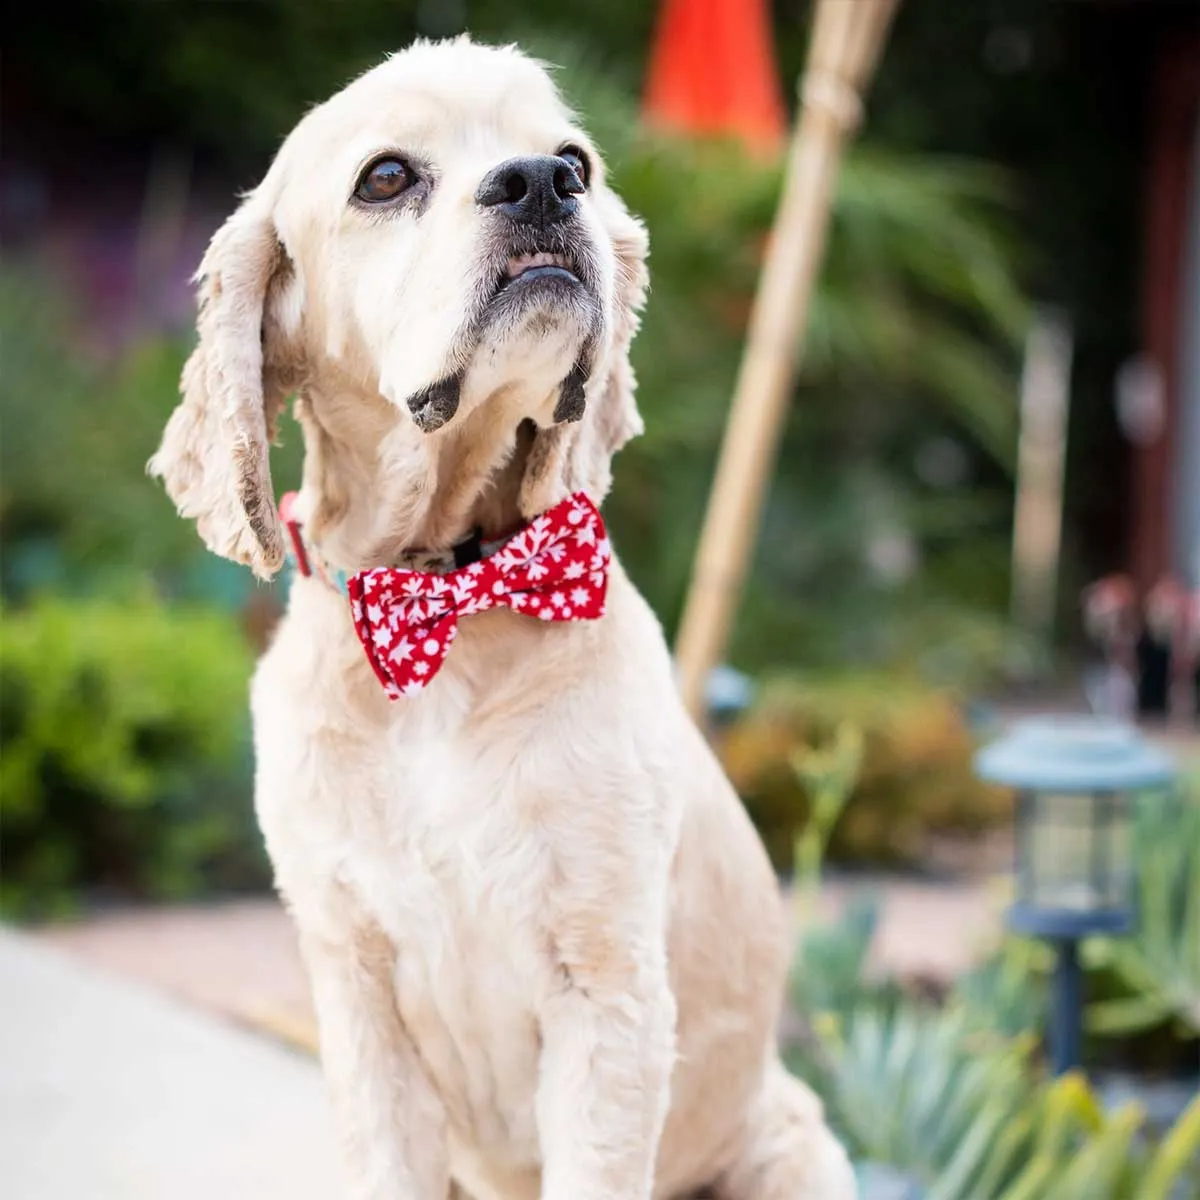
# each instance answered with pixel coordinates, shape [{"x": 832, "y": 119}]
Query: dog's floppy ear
[
  {"x": 576, "y": 454},
  {"x": 214, "y": 456}
]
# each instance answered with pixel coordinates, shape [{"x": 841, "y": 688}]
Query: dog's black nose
[{"x": 537, "y": 189}]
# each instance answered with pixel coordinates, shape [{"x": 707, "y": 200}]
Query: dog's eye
[
  {"x": 384, "y": 180},
  {"x": 575, "y": 158}
]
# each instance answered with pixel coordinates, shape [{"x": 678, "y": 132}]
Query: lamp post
[{"x": 1076, "y": 780}]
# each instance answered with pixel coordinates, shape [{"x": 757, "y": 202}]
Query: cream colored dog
[{"x": 546, "y": 947}]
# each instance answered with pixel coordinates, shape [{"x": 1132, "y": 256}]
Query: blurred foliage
[
  {"x": 1158, "y": 967},
  {"x": 124, "y": 756},
  {"x": 905, "y": 361},
  {"x": 77, "y": 513},
  {"x": 884, "y": 543},
  {"x": 828, "y": 775},
  {"x": 951, "y": 1099},
  {"x": 966, "y": 1114},
  {"x": 915, "y": 776},
  {"x": 1056, "y": 92},
  {"x": 903, "y": 429},
  {"x": 910, "y": 355}
]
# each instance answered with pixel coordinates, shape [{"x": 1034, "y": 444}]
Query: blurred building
[{"x": 1160, "y": 397}]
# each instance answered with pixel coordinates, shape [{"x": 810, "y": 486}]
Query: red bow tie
[{"x": 556, "y": 569}]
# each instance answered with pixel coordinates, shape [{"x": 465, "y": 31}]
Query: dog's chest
[{"x": 453, "y": 872}]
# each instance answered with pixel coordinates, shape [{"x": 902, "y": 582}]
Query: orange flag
[{"x": 712, "y": 71}]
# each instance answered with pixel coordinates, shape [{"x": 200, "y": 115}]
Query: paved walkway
[
  {"x": 130, "y": 1068},
  {"x": 112, "y": 1091},
  {"x": 240, "y": 959}
]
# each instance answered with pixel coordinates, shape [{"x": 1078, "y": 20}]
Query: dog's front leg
[
  {"x": 389, "y": 1117},
  {"x": 608, "y": 1050}
]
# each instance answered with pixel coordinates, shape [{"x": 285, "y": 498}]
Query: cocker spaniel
[{"x": 546, "y": 947}]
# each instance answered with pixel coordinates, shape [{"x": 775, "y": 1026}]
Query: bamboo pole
[{"x": 847, "y": 38}]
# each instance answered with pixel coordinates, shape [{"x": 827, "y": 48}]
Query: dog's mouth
[
  {"x": 548, "y": 271},
  {"x": 542, "y": 264},
  {"x": 537, "y": 266}
]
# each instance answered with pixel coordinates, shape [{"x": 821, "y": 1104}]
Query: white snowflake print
[{"x": 554, "y": 569}]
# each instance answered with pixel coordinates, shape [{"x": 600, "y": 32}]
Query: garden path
[
  {"x": 239, "y": 959},
  {"x": 111, "y": 1090}
]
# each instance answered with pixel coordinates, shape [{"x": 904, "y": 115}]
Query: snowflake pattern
[{"x": 555, "y": 569}]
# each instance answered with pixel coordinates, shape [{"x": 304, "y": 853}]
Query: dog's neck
[{"x": 375, "y": 487}]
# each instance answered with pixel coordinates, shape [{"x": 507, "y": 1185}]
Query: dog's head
[{"x": 434, "y": 250}]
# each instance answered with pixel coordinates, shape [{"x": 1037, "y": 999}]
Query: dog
[{"x": 546, "y": 948}]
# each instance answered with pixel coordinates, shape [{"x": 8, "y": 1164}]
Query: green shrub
[
  {"x": 124, "y": 755},
  {"x": 915, "y": 777}
]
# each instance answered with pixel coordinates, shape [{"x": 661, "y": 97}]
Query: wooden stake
[{"x": 847, "y": 38}]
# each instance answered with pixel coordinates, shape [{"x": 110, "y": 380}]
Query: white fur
[{"x": 546, "y": 947}]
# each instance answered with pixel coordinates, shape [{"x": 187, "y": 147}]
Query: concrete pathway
[
  {"x": 237, "y": 958},
  {"x": 112, "y": 1091},
  {"x": 132, "y": 1065},
  {"x": 240, "y": 959}
]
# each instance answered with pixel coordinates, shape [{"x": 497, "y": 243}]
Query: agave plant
[
  {"x": 967, "y": 1114},
  {"x": 953, "y": 1097},
  {"x": 1160, "y": 963}
]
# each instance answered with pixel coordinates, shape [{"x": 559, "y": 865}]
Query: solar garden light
[{"x": 1076, "y": 781}]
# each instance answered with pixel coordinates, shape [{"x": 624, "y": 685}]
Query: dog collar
[{"x": 306, "y": 560}]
